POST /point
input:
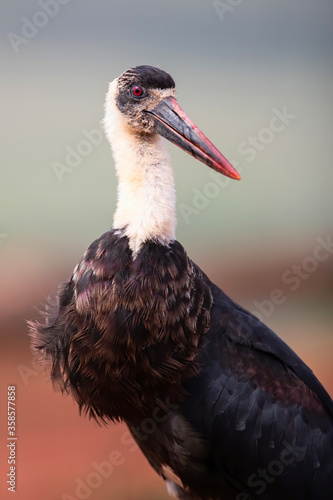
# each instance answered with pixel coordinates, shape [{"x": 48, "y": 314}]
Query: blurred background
[{"x": 257, "y": 78}]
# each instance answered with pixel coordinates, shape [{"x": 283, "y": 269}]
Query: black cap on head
[{"x": 147, "y": 76}]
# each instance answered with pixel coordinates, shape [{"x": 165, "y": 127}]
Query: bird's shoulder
[{"x": 278, "y": 367}]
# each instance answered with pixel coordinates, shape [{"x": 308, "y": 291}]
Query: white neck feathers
[{"x": 146, "y": 193}]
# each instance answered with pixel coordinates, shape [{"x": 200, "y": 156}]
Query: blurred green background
[{"x": 237, "y": 65}]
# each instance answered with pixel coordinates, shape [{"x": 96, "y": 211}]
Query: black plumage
[
  {"x": 122, "y": 327},
  {"x": 220, "y": 405}
]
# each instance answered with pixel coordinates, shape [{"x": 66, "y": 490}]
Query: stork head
[{"x": 146, "y": 99}]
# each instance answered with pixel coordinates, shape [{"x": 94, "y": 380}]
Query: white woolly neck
[{"x": 146, "y": 193}]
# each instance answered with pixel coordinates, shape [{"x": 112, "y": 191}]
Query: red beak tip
[{"x": 231, "y": 172}]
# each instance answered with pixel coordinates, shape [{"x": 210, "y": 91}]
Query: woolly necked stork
[{"x": 140, "y": 334}]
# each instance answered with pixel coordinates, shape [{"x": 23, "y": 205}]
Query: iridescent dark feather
[{"x": 124, "y": 332}]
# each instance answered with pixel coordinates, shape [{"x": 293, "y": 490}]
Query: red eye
[{"x": 137, "y": 91}]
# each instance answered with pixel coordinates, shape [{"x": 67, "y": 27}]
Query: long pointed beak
[{"x": 173, "y": 123}]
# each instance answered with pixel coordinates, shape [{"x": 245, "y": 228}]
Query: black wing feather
[{"x": 266, "y": 414}]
